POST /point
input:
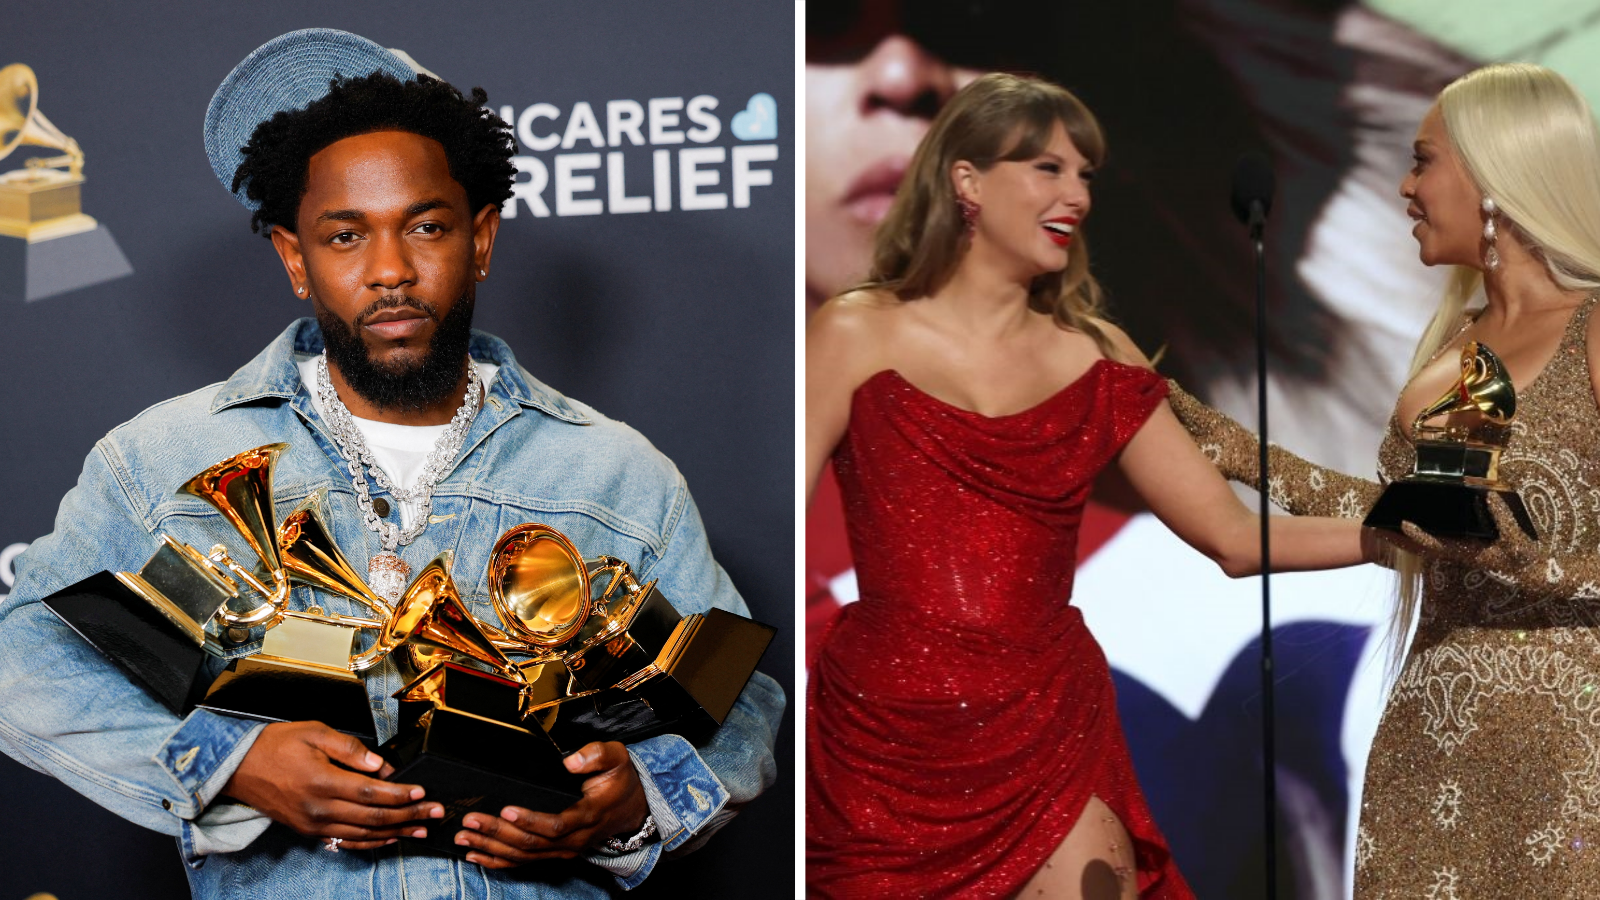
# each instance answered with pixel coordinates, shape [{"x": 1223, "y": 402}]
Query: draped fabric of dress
[
  {"x": 1484, "y": 776},
  {"x": 960, "y": 713}
]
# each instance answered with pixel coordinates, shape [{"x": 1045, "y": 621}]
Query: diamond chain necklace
[{"x": 387, "y": 572}]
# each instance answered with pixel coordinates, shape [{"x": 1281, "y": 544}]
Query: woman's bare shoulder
[
  {"x": 864, "y": 301},
  {"x": 860, "y": 318},
  {"x": 850, "y": 336}
]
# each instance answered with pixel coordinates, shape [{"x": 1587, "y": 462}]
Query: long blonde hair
[
  {"x": 1528, "y": 140},
  {"x": 997, "y": 118}
]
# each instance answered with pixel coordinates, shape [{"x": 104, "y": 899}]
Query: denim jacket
[{"x": 531, "y": 455}]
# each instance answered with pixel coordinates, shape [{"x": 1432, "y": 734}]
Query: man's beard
[{"x": 409, "y": 388}]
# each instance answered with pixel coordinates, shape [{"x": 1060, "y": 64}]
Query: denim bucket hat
[{"x": 287, "y": 73}]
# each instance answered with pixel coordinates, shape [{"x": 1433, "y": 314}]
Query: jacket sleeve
[
  {"x": 693, "y": 791},
  {"x": 68, "y": 712}
]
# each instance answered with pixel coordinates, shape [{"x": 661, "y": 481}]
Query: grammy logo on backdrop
[{"x": 48, "y": 245}]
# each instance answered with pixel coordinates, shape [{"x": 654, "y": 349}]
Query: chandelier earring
[
  {"x": 1491, "y": 256},
  {"x": 969, "y": 213}
]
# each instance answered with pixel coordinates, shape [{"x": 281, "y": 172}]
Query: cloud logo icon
[{"x": 758, "y": 121}]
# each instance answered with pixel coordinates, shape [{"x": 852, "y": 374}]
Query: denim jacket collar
[{"x": 273, "y": 373}]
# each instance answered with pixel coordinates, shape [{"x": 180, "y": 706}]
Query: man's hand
[
  {"x": 613, "y": 803},
  {"x": 299, "y": 773}
]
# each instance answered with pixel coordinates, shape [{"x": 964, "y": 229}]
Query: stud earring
[
  {"x": 482, "y": 274},
  {"x": 300, "y": 290},
  {"x": 1491, "y": 256},
  {"x": 969, "y": 213}
]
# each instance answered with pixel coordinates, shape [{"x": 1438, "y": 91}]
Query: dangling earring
[
  {"x": 969, "y": 213},
  {"x": 1491, "y": 256}
]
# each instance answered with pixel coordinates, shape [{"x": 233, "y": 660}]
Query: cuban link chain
[{"x": 387, "y": 573}]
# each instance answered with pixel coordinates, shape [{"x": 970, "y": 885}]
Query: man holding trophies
[{"x": 406, "y": 437}]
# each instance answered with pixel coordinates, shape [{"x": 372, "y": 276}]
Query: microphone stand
[{"x": 1257, "y": 225}]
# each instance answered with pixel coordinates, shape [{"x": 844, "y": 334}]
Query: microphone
[{"x": 1253, "y": 187}]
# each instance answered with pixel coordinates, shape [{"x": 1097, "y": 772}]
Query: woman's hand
[{"x": 1512, "y": 553}]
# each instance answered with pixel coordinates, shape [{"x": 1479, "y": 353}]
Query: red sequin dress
[{"x": 960, "y": 715}]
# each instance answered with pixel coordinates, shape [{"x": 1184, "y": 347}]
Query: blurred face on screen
[
  {"x": 1442, "y": 200},
  {"x": 870, "y": 93},
  {"x": 1030, "y": 208}
]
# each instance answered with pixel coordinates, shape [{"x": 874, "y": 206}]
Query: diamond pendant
[{"x": 387, "y": 574}]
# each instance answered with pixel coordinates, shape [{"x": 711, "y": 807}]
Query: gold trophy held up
[{"x": 1457, "y": 464}]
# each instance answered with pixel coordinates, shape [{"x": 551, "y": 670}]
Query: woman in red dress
[{"x": 962, "y": 735}]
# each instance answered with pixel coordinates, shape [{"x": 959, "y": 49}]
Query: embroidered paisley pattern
[
  {"x": 1486, "y": 766},
  {"x": 1447, "y": 805}
]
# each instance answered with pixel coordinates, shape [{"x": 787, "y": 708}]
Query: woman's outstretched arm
[
  {"x": 1189, "y": 496},
  {"x": 1297, "y": 486}
]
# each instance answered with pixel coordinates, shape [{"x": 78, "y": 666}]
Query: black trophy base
[
  {"x": 1445, "y": 508},
  {"x": 617, "y": 715},
  {"x": 280, "y": 691},
  {"x": 473, "y": 764},
  {"x": 134, "y": 635},
  {"x": 706, "y": 676},
  {"x": 691, "y": 694}
]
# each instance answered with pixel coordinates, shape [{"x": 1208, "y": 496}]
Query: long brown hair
[{"x": 997, "y": 118}]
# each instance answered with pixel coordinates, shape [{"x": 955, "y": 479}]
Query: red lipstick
[{"x": 1061, "y": 229}]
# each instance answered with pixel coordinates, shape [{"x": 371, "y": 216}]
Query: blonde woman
[
  {"x": 962, "y": 734},
  {"x": 1484, "y": 777}
]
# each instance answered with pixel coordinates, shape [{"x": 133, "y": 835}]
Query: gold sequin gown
[{"x": 1483, "y": 781}]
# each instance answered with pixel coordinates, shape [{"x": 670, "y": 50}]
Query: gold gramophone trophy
[
  {"x": 630, "y": 641},
  {"x": 475, "y": 740},
  {"x": 1457, "y": 463},
  {"x": 158, "y": 624},
  {"x": 622, "y": 666},
  {"x": 307, "y": 667},
  {"x": 41, "y": 202}
]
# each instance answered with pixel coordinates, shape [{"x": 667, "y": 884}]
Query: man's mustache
[{"x": 396, "y": 301}]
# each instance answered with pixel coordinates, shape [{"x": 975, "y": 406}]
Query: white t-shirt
[{"x": 400, "y": 450}]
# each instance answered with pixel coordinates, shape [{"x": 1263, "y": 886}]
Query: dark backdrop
[{"x": 677, "y": 322}]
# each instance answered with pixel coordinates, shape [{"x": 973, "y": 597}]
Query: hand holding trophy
[
  {"x": 1457, "y": 466},
  {"x": 478, "y": 729},
  {"x": 623, "y": 666}
]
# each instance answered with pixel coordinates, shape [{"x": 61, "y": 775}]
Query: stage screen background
[
  {"x": 677, "y": 322},
  {"x": 1333, "y": 93}
]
